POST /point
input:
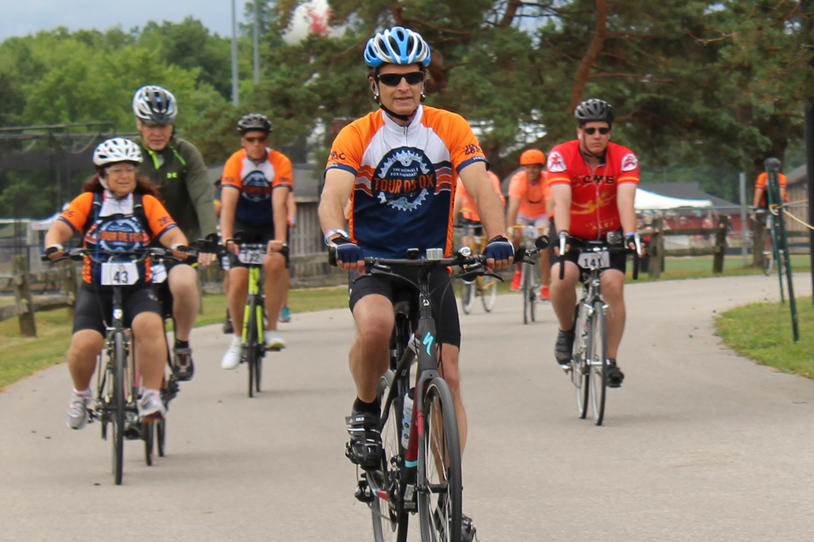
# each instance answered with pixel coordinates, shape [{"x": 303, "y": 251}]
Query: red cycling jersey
[{"x": 593, "y": 189}]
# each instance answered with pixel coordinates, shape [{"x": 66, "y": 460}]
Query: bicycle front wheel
[
  {"x": 598, "y": 361},
  {"x": 467, "y": 295},
  {"x": 579, "y": 366},
  {"x": 251, "y": 344},
  {"x": 439, "y": 466},
  {"x": 387, "y": 510},
  {"x": 118, "y": 404},
  {"x": 527, "y": 308},
  {"x": 489, "y": 293}
]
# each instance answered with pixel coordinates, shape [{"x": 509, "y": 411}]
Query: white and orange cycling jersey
[
  {"x": 256, "y": 182},
  {"x": 593, "y": 189},
  {"x": 405, "y": 178}
]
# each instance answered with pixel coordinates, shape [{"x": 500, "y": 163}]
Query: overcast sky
[{"x": 22, "y": 17}]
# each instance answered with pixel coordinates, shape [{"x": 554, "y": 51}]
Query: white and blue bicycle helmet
[
  {"x": 155, "y": 105},
  {"x": 397, "y": 45}
]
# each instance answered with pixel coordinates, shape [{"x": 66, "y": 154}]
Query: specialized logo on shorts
[
  {"x": 629, "y": 162},
  {"x": 256, "y": 187},
  {"x": 122, "y": 234},
  {"x": 404, "y": 179},
  {"x": 555, "y": 162}
]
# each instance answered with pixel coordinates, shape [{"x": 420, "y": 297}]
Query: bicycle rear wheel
[
  {"x": 489, "y": 293},
  {"x": 118, "y": 404},
  {"x": 467, "y": 295},
  {"x": 439, "y": 466},
  {"x": 598, "y": 361},
  {"x": 387, "y": 511}
]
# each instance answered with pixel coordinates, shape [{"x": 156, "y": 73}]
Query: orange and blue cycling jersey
[
  {"x": 593, "y": 189},
  {"x": 116, "y": 228},
  {"x": 405, "y": 178},
  {"x": 761, "y": 183},
  {"x": 469, "y": 210},
  {"x": 256, "y": 181},
  {"x": 532, "y": 196}
]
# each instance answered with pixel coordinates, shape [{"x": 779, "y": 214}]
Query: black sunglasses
[
  {"x": 592, "y": 131},
  {"x": 260, "y": 139},
  {"x": 393, "y": 79}
]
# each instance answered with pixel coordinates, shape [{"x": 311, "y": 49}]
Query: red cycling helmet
[{"x": 532, "y": 157}]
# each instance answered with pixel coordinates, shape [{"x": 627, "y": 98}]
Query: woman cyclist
[{"x": 117, "y": 211}]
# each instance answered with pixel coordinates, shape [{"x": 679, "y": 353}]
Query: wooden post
[
  {"x": 22, "y": 294},
  {"x": 720, "y": 244},
  {"x": 656, "y": 249}
]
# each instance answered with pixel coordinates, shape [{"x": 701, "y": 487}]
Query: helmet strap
[{"x": 398, "y": 116}]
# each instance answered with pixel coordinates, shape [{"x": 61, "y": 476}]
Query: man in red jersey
[{"x": 593, "y": 185}]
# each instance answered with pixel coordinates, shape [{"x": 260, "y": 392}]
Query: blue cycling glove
[
  {"x": 345, "y": 250},
  {"x": 499, "y": 248}
]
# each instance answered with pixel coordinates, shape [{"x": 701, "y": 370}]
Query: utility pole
[
  {"x": 235, "y": 96},
  {"x": 255, "y": 42}
]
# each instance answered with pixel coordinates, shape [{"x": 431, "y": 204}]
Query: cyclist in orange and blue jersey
[
  {"x": 398, "y": 168},
  {"x": 593, "y": 182},
  {"x": 254, "y": 194},
  {"x": 117, "y": 212}
]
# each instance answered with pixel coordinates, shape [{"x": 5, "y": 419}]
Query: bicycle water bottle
[{"x": 407, "y": 417}]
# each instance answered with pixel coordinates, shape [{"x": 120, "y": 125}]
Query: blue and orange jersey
[
  {"x": 593, "y": 189},
  {"x": 256, "y": 181},
  {"x": 469, "y": 210},
  {"x": 532, "y": 196},
  {"x": 116, "y": 228},
  {"x": 405, "y": 178}
]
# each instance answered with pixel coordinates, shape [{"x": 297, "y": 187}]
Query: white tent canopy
[{"x": 650, "y": 201}]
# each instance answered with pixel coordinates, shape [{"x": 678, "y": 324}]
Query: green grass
[
  {"x": 22, "y": 356},
  {"x": 763, "y": 332}
]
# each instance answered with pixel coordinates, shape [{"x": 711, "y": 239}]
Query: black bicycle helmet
[
  {"x": 772, "y": 164},
  {"x": 253, "y": 121},
  {"x": 594, "y": 110}
]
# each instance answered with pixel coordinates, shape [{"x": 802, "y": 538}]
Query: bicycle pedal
[{"x": 363, "y": 493}]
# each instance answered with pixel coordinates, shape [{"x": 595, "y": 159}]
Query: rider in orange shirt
[{"x": 530, "y": 204}]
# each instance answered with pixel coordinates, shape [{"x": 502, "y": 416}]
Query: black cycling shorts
[
  {"x": 445, "y": 309},
  {"x": 94, "y": 305},
  {"x": 249, "y": 234},
  {"x": 618, "y": 260}
]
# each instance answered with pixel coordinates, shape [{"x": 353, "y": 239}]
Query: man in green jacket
[{"x": 177, "y": 168}]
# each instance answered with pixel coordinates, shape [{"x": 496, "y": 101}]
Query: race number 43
[{"x": 119, "y": 273}]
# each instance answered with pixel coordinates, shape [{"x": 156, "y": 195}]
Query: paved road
[{"x": 699, "y": 444}]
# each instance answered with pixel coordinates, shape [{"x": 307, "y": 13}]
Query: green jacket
[{"x": 179, "y": 173}]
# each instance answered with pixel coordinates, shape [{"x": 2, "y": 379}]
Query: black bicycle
[
  {"x": 117, "y": 382},
  {"x": 588, "y": 367},
  {"x": 420, "y": 470}
]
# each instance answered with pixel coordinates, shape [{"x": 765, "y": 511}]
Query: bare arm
[
  {"x": 279, "y": 205},
  {"x": 228, "y": 198},
  {"x": 335, "y": 196},
  {"x": 561, "y": 196},
  {"x": 625, "y": 196}
]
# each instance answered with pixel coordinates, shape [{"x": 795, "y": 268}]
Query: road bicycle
[
  {"x": 530, "y": 275},
  {"x": 481, "y": 286},
  {"x": 253, "y": 348},
  {"x": 117, "y": 381},
  {"x": 588, "y": 367},
  {"x": 420, "y": 471}
]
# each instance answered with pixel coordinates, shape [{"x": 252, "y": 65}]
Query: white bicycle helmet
[
  {"x": 397, "y": 45},
  {"x": 116, "y": 149},
  {"x": 155, "y": 104}
]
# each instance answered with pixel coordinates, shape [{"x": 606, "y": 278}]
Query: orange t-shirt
[
  {"x": 468, "y": 208},
  {"x": 532, "y": 196},
  {"x": 762, "y": 179}
]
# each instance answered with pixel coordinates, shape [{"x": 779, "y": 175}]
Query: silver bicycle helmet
[
  {"x": 594, "y": 109},
  {"x": 155, "y": 104},
  {"x": 116, "y": 149},
  {"x": 397, "y": 45}
]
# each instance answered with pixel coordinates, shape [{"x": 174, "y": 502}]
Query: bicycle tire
[
  {"x": 118, "y": 404},
  {"x": 579, "y": 374},
  {"x": 251, "y": 344},
  {"x": 598, "y": 363},
  {"x": 388, "y": 516},
  {"x": 467, "y": 295},
  {"x": 525, "y": 289},
  {"x": 439, "y": 486},
  {"x": 533, "y": 300},
  {"x": 489, "y": 294},
  {"x": 148, "y": 436},
  {"x": 161, "y": 435}
]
